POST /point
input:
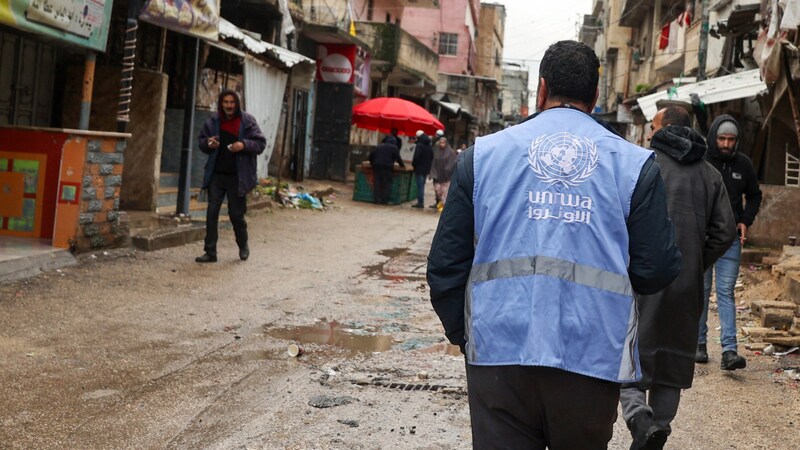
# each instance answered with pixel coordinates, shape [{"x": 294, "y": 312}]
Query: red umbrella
[{"x": 384, "y": 113}]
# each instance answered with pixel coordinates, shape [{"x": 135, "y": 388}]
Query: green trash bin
[{"x": 403, "y": 186}]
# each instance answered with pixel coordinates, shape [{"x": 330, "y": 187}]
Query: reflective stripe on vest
[{"x": 554, "y": 267}]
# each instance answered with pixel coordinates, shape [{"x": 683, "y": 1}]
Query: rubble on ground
[{"x": 291, "y": 196}]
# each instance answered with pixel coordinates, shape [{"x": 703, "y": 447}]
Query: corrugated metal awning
[
  {"x": 716, "y": 90},
  {"x": 257, "y": 46}
]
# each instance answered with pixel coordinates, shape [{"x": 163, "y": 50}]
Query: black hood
[
  {"x": 683, "y": 144},
  {"x": 712, "y": 138},
  {"x": 424, "y": 139},
  {"x": 391, "y": 140},
  {"x": 238, "y": 103}
]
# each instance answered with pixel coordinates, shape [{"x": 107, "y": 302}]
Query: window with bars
[{"x": 448, "y": 44}]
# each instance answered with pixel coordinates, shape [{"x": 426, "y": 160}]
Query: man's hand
[
  {"x": 742, "y": 228},
  {"x": 213, "y": 142},
  {"x": 236, "y": 147}
]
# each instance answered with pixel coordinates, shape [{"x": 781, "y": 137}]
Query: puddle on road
[
  {"x": 380, "y": 271},
  {"x": 348, "y": 337},
  {"x": 443, "y": 349}
]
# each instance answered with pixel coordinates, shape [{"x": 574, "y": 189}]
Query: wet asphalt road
[{"x": 151, "y": 350}]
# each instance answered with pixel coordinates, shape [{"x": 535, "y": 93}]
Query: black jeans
[
  {"x": 383, "y": 184},
  {"x": 223, "y": 185},
  {"x": 536, "y": 407}
]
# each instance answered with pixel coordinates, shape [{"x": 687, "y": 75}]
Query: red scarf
[{"x": 231, "y": 126}]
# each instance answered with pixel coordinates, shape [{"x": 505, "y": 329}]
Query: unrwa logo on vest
[{"x": 563, "y": 158}]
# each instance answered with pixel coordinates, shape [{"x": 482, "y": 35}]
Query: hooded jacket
[
  {"x": 737, "y": 173},
  {"x": 444, "y": 163},
  {"x": 249, "y": 134},
  {"x": 386, "y": 154},
  {"x": 423, "y": 156},
  {"x": 704, "y": 229}
]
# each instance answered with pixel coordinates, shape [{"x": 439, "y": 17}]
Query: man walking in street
[
  {"x": 704, "y": 227},
  {"x": 382, "y": 159},
  {"x": 232, "y": 139},
  {"x": 444, "y": 163},
  {"x": 740, "y": 180},
  {"x": 550, "y": 228},
  {"x": 423, "y": 157}
]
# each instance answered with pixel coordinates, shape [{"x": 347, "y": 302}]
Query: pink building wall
[
  {"x": 426, "y": 24},
  {"x": 380, "y": 10}
]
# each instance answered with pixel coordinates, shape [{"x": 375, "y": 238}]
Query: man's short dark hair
[
  {"x": 675, "y": 115},
  {"x": 571, "y": 71}
]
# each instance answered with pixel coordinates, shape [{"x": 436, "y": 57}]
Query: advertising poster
[
  {"x": 199, "y": 18},
  {"x": 340, "y": 63},
  {"x": 81, "y": 22}
]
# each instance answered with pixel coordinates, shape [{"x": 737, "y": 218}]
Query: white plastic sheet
[{"x": 264, "y": 87}]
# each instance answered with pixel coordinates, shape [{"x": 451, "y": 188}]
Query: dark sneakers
[
  {"x": 702, "y": 354},
  {"x": 244, "y": 253},
  {"x": 646, "y": 434},
  {"x": 732, "y": 361},
  {"x": 417, "y": 205},
  {"x": 206, "y": 258}
]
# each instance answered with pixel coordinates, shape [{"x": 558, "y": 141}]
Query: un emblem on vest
[{"x": 563, "y": 158}]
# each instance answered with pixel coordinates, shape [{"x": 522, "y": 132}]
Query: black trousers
[
  {"x": 516, "y": 407},
  {"x": 224, "y": 185},
  {"x": 383, "y": 184}
]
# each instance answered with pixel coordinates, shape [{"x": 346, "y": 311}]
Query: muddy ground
[{"x": 151, "y": 350}]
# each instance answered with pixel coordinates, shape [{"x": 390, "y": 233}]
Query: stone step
[
  {"x": 34, "y": 263},
  {"x": 168, "y": 196},
  {"x": 166, "y": 237},
  {"x": 168, "y": 179}
]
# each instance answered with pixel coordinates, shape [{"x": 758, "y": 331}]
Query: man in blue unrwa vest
[{"x": 550, "y": 228}]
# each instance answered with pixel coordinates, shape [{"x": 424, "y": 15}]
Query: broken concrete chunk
[
  {"x": 795, "y": 328},
  {"x": 776, "y": 318},
  {"x": 792, "y": 341},
  {"x": 759, "y": 332}
]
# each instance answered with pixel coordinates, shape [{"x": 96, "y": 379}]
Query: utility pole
[{"x": 703, "y": 49}]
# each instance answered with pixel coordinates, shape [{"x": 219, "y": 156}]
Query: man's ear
[
  {"x": 541, "y": 94},
  {"x": 594, "y": 102}
]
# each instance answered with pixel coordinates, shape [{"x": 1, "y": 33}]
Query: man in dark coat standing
[
  {"x": 740, "y": 180},
  {"x": 382, "y": 159},
  {"x": 704, "y": 228},
  {"x": 232, "y": 139},
  {"x": 423, "y": 157}
]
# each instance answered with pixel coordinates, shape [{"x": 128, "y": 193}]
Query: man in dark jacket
[
  {"x": 704, "y": 229},
  {"x": 534, "y": 264},
  {"x": 423, "y": 156},
  {"x": 232, "y": 139},
  {"x": 382, "y": 159},
  {"x": 740, "y": 180}
]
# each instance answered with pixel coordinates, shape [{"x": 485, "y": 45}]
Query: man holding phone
[{"x": 232, "y": 139}]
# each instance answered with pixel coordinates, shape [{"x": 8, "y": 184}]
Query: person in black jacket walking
[
  {"x": 704, "y": 229},
  {"x": 382, "y": 159},
  {"x": 232, "y": 140},
  {"x": 740, "y": 180},
  {"x": 423, "y": 157}
]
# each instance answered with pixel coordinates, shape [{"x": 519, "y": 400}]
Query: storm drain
[{"x": 416, "y": 387}]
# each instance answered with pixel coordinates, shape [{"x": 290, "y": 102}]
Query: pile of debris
[
  {"x": 290, "y": 196},
  {"x": 778, "y": 321}
]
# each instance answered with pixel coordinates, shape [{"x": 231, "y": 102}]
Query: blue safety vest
[{"x": 549, "y": 283}]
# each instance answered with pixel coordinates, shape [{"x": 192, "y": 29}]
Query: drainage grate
[{"x": 417, "y": 387}]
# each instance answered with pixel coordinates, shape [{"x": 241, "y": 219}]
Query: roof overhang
[
  {"x": 716, "y": 90},
  {"x": 255, "y": 46}
]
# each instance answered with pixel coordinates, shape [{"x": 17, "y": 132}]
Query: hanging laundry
[{"x": 664, "y": 37}]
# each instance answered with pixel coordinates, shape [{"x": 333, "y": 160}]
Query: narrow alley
[{"x": 151, "y": 350}]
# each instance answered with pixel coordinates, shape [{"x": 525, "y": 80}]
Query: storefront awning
[
  {"x": 287, "y": 57},
  {"x": 452, "y": 107},
  {"x": 716, "y": 90}
]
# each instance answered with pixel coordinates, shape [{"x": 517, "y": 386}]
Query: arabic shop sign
[
  {"x": 81, "y": 22},
  {"x": 199, "y": 18}
]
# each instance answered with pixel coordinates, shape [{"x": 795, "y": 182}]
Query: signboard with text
[
  {"x": 338, "y": 63},
  {"x": 199, "y": 18},
  {"x": 81, "y": 22}
]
